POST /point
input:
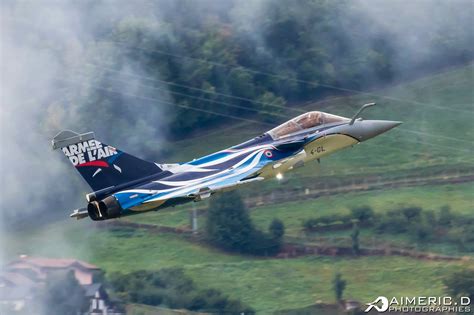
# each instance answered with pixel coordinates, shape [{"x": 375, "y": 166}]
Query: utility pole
[{"x": 194, "y": 219}]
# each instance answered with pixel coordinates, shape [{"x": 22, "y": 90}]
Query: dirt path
[{"x": 291, "y": 250}]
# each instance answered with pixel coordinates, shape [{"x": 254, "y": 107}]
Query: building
[
  {"x": 41, "y": 267},
  {"x": 16, "y": 290},
  {"x": 21, "y": 279}
]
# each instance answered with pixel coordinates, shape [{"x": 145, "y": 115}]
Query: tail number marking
[{"x": 316, "y": 150}]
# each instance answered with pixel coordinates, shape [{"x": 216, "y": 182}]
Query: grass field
[
  {"x": 115, "y": 249},
  {"x": 268, "y": 285},
  {"x": 436, "y": 134},
  {"x": 265, "y": 284},
  {"x": 458, "y": 197}
]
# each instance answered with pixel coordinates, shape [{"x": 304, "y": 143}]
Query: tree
[
  {"x": 241, "y": 83},
  {"x": 355, "y": 239},
  {"x": 269, "y": 244},
  {"x": 228, "y": 223},
  {"x": 271, "y": 104},
  {"x": 277, "y": 229},
  {"x": 463, "y": 236},
  {"x": 229, "y": 227},
  {"x": 412, "y": 213},
  {"x": 338, "y": 285},
  {"x": 445, "y": 216},
  {"x": 461, "y": 283},
  {"x": 63, "y": 295},
  {"x": 363, "y": 213}
]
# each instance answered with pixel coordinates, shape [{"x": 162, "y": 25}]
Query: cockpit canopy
[{"x": 304, "y": 121}]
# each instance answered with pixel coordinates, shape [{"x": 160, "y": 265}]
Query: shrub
[
  {"x": 463, "y": 237},
  {"x": 421, "y": 231},
  {"x": 445, "y": 216},
  {"x": 392, "y": 222},
  {"x": 277, "y": 229},
  {"x": 172, "y": 288},
  {"x": 430, "y": 218},
  {"x": 338, "y": 285},
  {"x": 363, "y": 213},
  {"x": 412, "y": 213},
  {"x": 461, "y": 283}
]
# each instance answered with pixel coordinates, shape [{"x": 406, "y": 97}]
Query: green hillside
[
  {"x": 437, "y": 113},
  {"x": 265, "y": 284},
  {"x": 435, "y": 140}
]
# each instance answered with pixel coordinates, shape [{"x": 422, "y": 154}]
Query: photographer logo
[{"x": 420, "y": 304}]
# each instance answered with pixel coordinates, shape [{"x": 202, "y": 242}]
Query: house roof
[
  {"x": 52, "y": 263},
  {"x": 17, "y": 279}
]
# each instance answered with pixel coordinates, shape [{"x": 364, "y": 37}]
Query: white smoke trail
[{"x": 42, "y": 44}]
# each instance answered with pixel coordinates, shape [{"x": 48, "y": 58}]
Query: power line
[
  {"x": 430, "y": 144},
  {"x": 244, "y": 107},
  {"x": 434, "y": 136},
  {"x": 165, "y": 102},
  {"x": 198, "y": 109},
  {"x": 275, "y": 114},
  {"x": 282, "y": 77},
  {"x": 194, "y": 88},
  {"x": 236, "y": 97},
  {"x": 246, "y": 69},
  {"x": 207, "y": 111},
  {"x": 208, "y": 100},
  {"x": 172, "y": 83}
]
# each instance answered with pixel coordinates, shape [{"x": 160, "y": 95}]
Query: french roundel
[{"x": 268, "y": 153}]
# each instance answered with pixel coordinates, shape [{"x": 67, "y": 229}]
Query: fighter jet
[{"x": 123, "y": 184}]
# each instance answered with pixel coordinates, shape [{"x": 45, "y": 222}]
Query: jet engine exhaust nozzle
[{"x": 107, "y": 208}]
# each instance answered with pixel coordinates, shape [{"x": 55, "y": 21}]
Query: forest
[
  {"x": 305, "y": 45},
  {"x": 190, "y": 66}
]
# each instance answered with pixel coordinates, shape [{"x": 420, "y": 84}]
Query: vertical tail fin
[{"x": 101, "y": 165}]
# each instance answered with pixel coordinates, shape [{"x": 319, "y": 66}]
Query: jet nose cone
[
  {"x": 367, "y": 129},
  {"x": 376, "y": 127}
]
